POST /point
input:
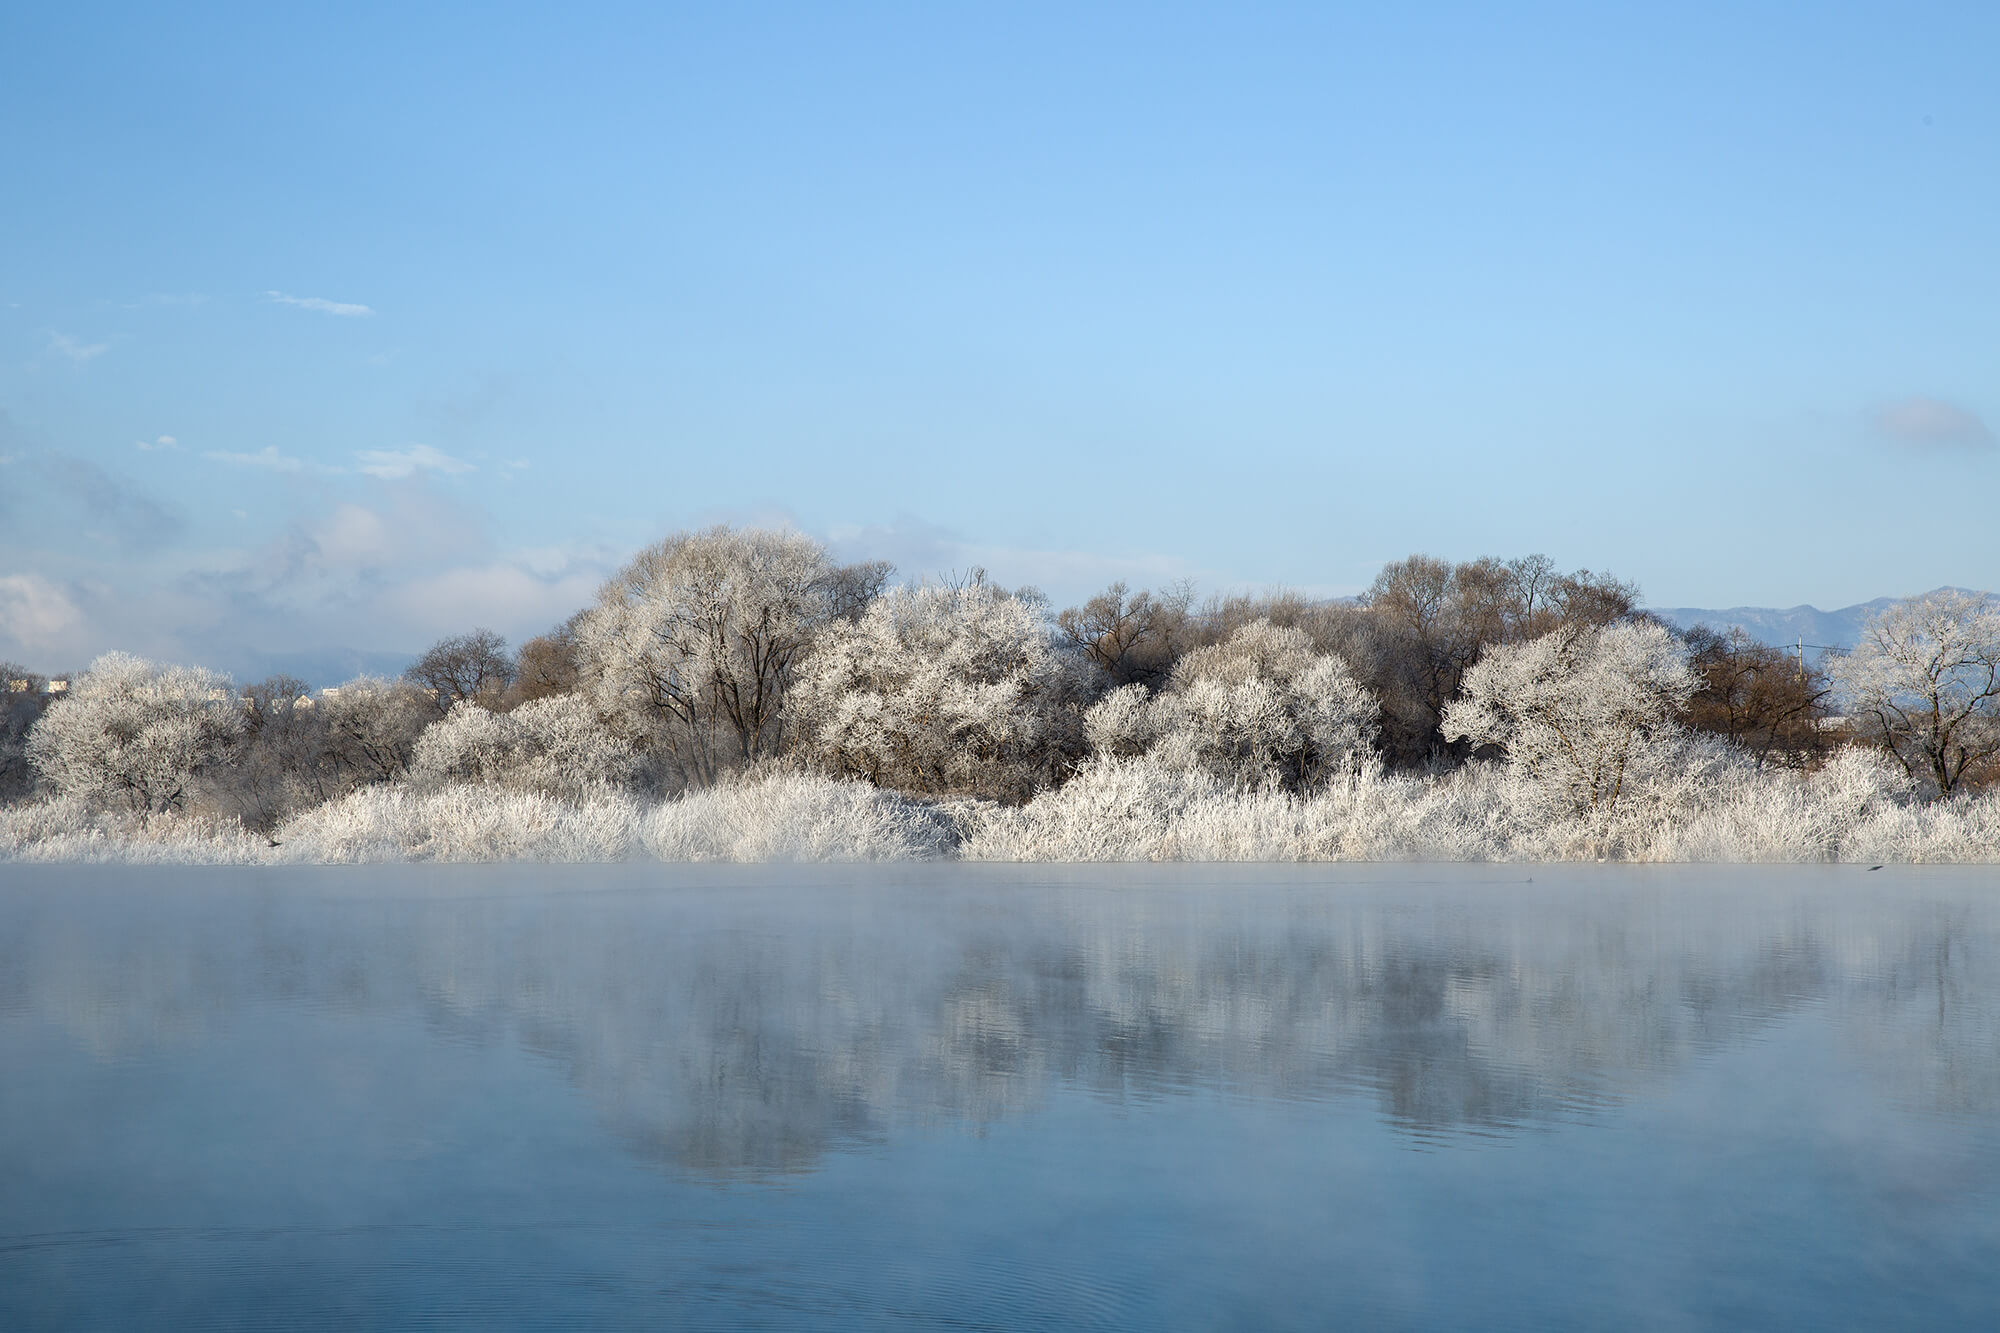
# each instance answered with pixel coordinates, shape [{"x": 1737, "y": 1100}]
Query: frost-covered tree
[
  {"x": 945, "y": 690},
  {"x": 1925, "y": 682},
  {"x": 556, "y": 746},
  {"x": 693, "y": 645},
  {"x": 135, "y": 735},
  {"x": 1585, "y": 715},
  {"x": 1260, "y": 708}
]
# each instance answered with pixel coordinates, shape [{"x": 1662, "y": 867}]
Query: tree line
[{"x": 715, "y": 652}]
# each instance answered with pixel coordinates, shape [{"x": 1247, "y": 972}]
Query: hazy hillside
[{"x": 1782, "y": 628}]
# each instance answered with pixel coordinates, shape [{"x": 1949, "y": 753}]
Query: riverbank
[{"x": 1129, "y": 811}]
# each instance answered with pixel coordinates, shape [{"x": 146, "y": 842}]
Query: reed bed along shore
[{"x": 1113, "y": 810}]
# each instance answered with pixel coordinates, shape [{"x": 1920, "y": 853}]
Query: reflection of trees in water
[
  {"x": 1930, "y": 1022},
  {"x": 754, "y": 1034}
]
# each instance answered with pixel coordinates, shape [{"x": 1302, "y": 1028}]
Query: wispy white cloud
[
  {"x": 267, "y": 457},
  {"x": 385, "y": 464},
  {"x": 34, "y": 610},
  {"x": 76, "y": 349},
  {"x": 395, "y": 464},
  {"x": 348, "y": 309},
  {"x": 1931, "y": 422},
  {"x": 154, "y": 446},
  {"x": 499, "y": 592}
]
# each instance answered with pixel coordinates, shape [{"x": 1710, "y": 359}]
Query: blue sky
[{"x": 338, "y": 331}]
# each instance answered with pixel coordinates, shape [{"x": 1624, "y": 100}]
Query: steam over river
[{"x": 999, "y": 1097}]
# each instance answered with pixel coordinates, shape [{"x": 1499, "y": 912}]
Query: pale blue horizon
[{"x": 346, "y": 331}]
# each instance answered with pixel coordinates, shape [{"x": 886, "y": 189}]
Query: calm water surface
[{"x": 967, "y": 1097}]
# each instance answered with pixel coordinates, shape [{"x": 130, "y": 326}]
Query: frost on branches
[
  {"x": 1925, "y": 682},
  {"x": 693, "y": 643},
  {"x": 804, "y": 713},
  {"x": 1586, "y": 717},
  {"x": 136, "y": 735},
  {"x": 945, "y": 690},
  {"x": 1261, "y": 708},
  {"x": 554, "y": 746},
  {"x": 693, "y": 646}
]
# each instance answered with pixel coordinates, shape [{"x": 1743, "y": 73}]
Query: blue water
[{"x": 979, "y": 1097}]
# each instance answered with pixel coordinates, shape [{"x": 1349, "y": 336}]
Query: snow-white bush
[
  {"x": 71, "y": 829},
  {"x": 1586, "y": 718},
  {"x": 1113, "y": 809},
  {"x": 1858, "y": 808},
  {"x": 461, "y": 823},
  {"x": 781, "y": 816},
  {"x": 1769, "y": 814},
  {"x": 556, "y": 746},
  {"x": 1260, "y": 708},
  {"x": 944, "y": 690},
  {"x": 799, "y": 817},
  {"x": 135, "y": 735},
  {"x": 1146, "y": 810}
]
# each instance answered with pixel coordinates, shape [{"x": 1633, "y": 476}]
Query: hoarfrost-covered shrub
[
  {"x": 1145, "y": 810},
  {"x": 469, "y": 744},
  {"x": 944, "y": 691},
  {"x": 555, "y": 746},
  {"x": 1112, "y": 809},
  {"x": 461, "y": 823},
  {"x": 1959, "y": 830},
  {"x": 134, "y": 735},
  {"x": 798, "y": 817},
  {"x": 1585, "y": 716},
  {"x": 1260, "y": 708},
  {"x": 70, "y": 829},
  {"x": 1765, "y": 814}
]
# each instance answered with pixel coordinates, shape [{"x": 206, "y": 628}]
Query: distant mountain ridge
[{"x": 1785, "y": 628}]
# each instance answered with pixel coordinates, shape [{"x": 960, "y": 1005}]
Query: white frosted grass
[
  {"x": 797, "y": 817},
  {"x": 1134, "y": 810},
  {"x": 1137, "y": 810},
  {"x": 1858, "y": 808},
  {"x": 462, "y": 823},
  {"x": 72, "y": 830}
]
